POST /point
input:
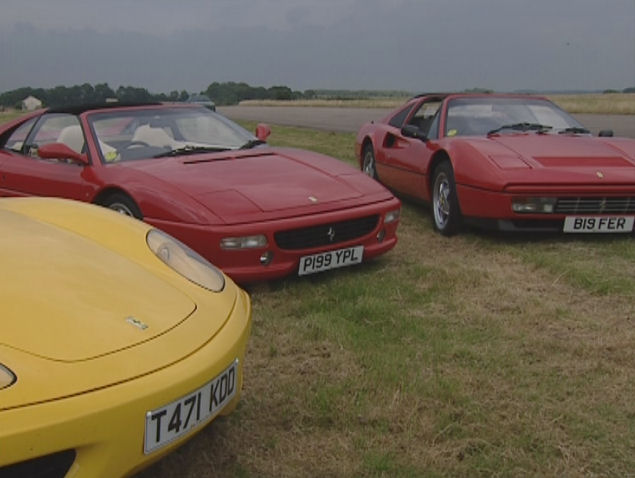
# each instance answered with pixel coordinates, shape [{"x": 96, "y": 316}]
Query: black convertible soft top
[{"x": 78, "y": 109}]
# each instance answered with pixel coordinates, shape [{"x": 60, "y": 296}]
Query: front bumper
[
  {"x": 105, "y": 428},
  {"x": 245, "y": 265},
  {"x": 493, "y": 210}
]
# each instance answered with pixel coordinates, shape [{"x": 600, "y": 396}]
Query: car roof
[
  {"x": 477, "y": 94},
  {"x": 443, "y": 95}
]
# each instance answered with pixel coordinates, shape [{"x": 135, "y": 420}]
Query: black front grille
[
  {"x": 595, "y": 205},
  {"x": 55, "y": 465},
  {"x": 326, "y": 234}
]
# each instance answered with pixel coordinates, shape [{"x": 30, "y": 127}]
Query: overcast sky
[{"x": 413, "y": 45}]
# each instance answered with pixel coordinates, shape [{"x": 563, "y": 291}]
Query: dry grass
[
  {"x": 391, "y": 102},
  {"x": 8, "y": 115},
  {"x": 614, "y": 103},
  {"x": 479, "y": 355}
]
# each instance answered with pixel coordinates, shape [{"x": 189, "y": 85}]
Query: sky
[{"x": 411, "y": 45}]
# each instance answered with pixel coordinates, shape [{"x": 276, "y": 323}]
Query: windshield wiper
[
  {"x": 185, "y": 150},
  {"x": 252, "y": 143},
  {"x": 540, "y": 128},
  {"x": 574, "y": 130}
]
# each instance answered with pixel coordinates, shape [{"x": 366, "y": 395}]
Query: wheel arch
[
  {"x": 368, "y": 140},
  {"x": 105, "y": 193},
  {"x": 438, "y": 158}
]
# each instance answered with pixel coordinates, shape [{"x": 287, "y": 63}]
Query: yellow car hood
[
  {"x": 68, "y": 298},
  {"x": 86, "y": 304}
]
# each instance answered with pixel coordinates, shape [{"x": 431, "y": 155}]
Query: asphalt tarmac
[{"x": 350, "y": 119}]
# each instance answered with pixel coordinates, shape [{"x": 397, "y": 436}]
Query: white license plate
[
  {"x": 330, "y": 260},
  {"x": 175, "y": 419},
  {"x": 591, "y": 224}
]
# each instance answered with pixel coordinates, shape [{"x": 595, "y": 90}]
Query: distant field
[
  {"x": 614, "y": 103},
  {"x": 9, "y": 115},
  {"x": 475, "y": 356}
]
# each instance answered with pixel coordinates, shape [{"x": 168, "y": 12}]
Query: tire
[
  {"x": 123, "y": 204},
  {"x": 446, "y": 213},
  {"x": 369, "y": 165}
]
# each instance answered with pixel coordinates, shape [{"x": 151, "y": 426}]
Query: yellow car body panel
[{"x": 86, "y": 375}]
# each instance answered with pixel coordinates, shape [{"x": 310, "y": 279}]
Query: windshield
[
  {"x": 168, "y": 131},
  {"x": 481, "y": 115}
]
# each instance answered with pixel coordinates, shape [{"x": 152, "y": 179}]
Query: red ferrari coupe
[
  {"x": 257, "y": 212},
  {"x": 511, "y": 162}
]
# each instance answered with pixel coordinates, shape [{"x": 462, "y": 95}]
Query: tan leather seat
[
  {"x": 152, "y": 136},
  {"x": 72, "y": 137}
]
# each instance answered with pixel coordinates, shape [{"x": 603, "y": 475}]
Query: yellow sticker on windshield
[
  {"x": 452, "y": 132},
  {"x": 111, "y": 156}
]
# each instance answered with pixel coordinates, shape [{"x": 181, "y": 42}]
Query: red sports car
[
  {"x": 512, "y": 162},
  {"x": 257, "y": 212}
]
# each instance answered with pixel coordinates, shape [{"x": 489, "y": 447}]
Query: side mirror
[
  {"x": 606, "y": 133},
  {"x": 263, "y": 131},
  {"x": 412, "y": 131},
  {"x": 60, "y": 151}
]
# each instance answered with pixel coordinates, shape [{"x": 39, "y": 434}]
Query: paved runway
[{"x": 350, "y": 119}]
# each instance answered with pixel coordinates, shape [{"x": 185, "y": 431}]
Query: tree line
[{"x": 227, "y": 93}]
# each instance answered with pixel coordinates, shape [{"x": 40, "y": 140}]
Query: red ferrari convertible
[
  {"x": 511, "y": 162},
  {"x": 257, "y": 212}
]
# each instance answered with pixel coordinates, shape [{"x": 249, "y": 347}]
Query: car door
[
  {"x": 408, "y": 157},
  {"x": 24, "y": 173}
]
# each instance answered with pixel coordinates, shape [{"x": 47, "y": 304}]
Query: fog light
[
  {"x": 266, "y": 258},
  {"x": 380, "y": 235},
  {"x": 246, "y": 242},
  {"x": 542, "y": 205},
  {"x": 391, "y": 216}
]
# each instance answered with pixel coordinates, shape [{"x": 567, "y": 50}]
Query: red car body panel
[
  {"x": 202, "y": 198},
  {"x": 491, "y": 170}
]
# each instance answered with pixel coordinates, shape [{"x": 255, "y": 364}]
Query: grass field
[{"x": 478, "y": 355}]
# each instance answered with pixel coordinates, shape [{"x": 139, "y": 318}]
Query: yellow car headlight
[
  {"x": 185, "y": 261},
  {"x": 7, "y": 377}
]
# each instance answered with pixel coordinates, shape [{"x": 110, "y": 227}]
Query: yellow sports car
[{"x": 117, "y": 342}]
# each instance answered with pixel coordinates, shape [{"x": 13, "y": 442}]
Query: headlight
[
  {"x": 185, "y": 261},
  {"x": 7, "y": 377},
  {"x": 391, "y": 216},
  {"x": 534, "y": 205},
  {"x": 246, "y": 242}
]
